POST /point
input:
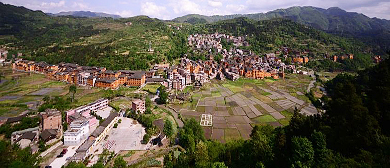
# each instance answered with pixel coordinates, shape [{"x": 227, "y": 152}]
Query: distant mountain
[
  {"x": 88, "y": 14},
  {"x": 373, "y": 31},
  {"x": 331, "y": 19}
]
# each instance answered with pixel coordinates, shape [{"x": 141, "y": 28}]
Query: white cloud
[
  {"x": 46, "y": 5},
  {"x": 234, "y": 9},
  {"x": 215, "y": 3},
  {"x": 125, "y": 13},
  {"x": 153, "y": 10},
  {"x": 380, "y": 11},
  {"x": 185, "y": 7},
  {"x": 80, "y": 6}
]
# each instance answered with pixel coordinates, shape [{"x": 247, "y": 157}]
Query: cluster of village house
[{"x": 80, "y": 123}]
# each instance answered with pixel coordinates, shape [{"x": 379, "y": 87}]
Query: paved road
[
  {"x": 44, "y": 153},
  {"x": 311, "y": 73},
  {"x": 59, "y": 162}
]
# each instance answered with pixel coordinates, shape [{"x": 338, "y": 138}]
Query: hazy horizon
[{"x": 170, "y": 9}]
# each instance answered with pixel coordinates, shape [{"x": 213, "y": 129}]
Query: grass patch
[
  {"x": 284, "y": 121},
  {"x": 128, "y": 154},
  {"x": 215, "y": 94},
  {"x": 233, "y": 88},
  {"x": 265, "y": 119},
  {"x": 187, "y": 89},
  {"x": 120, "y": 102},
  {"x": 151, "y": 88},
  {"x": 287, "y": 114},
  {"x": 265, "y": 93}
]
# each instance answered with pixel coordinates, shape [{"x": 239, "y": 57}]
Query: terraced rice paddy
[{"x": 237, "y": 106}]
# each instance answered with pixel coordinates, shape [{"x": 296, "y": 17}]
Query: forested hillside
[
  {"x": 124, "y": 43},
  {"x": 112, "y": 43},
  {"x": 354, "y": 132},
  {"x": 372, "y": 31}
]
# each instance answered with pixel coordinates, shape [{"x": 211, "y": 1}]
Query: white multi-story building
[{"x": 79, "y": 130}]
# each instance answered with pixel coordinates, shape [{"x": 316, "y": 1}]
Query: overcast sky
[{"x": 169, "y": 9}]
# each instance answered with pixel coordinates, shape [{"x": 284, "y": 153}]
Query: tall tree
[
  {"x": 72, "y": 89},
  {"x": 302, "y": 152},
  {"x": 168, "y": 129}
]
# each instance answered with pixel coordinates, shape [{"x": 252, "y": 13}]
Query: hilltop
[
  {"x": 87, "y": 14},
  {"x": 139, "y": 42},
  {"x": 372, "y": 31}
]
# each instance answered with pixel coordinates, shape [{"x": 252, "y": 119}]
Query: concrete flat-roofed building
[
  {"x": 78, "y": 131},
  {"x": 138, "y": 106},
  {"x": 51, "y": 119},
  {"x": 96, "y": 137}
]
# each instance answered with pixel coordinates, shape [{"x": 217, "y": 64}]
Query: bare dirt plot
[
  {"x": 218, "y": 134},
  {"x": 223, "y": 125},
  {"x": 197, "y": 118},
  {"x": 221, "y": 113},
  {"x": 260, "y": 109},
  {"x": 245, "y": 130},
  {"x": 221, "y": 108},
  {"x": 210, "y": 103},
  {"x": 232, "y": 134},
  {"x": 268, "y": 108},
  {"x": 247, "y": 94},
  {"x": 309, "y": 110},
  {"x": 275, "y": 106},
  {"x": 189, "y": 112},
  {"x": 231, "y": 125},
  {"x": 292, "y": 98},
  {"x": 209, "y": 109},
  {"x": 200, "y": 109},
  {"x": 207, "y": 132},
  {"x": 236, "y": 119},
  {"x": 45, "y": 91},
  {"x": 275, "y": 124},
  {"x": 232, "y": 104},
  {"x": 285, "y": 104},
  {"x": 219, "y": 120},
  {"x": 201, "y": 103},
  {"x": 238, "y": 111},
  {"x": 254, "y": 109},
  {"x": 247, "y": 109},
  {"x": 277, "y": 115},
  {"x": 251, "y": 115},
  {"x": 9, "y": 98},
  {"x": 246, "y": 118}
]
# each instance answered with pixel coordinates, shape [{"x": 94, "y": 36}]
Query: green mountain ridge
[
  {"x": 124, "y": 43},
  {"x": 372, "y": 31},
  {"x": 88, "y": 14}
]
